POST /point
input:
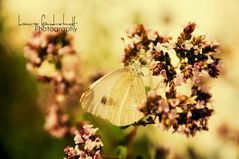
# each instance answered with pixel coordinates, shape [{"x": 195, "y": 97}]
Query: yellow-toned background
[{"x": 101, "y": 24}]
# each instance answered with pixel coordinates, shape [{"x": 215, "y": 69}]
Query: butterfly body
[{"x": 116, "y": 97}]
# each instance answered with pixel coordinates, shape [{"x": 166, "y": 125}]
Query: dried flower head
[
  {"x": 141, "y": 41},
  {"x": 198, "y": 62},
  {"x": 53, "y": 60},
  {"x": 57, "y": 123},
  {"x": 87, "y": 144}
]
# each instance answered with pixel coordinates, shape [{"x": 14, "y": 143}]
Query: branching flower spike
[{"x": 198, "y": 62}]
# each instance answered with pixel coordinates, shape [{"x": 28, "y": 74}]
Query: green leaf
[{"x": 121, "y": 152}]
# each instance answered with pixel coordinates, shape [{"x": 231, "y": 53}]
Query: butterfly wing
[{"x": 116, "y": 97}]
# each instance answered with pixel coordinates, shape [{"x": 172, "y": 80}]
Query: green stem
[{"x": 131, "y": 137}]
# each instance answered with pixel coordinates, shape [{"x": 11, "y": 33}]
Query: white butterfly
[{"x": 116, "y": 97}]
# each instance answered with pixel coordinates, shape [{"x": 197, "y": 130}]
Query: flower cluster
[
  {"x": 53, "y": 60},
  {"x": 142, "y": 41},
  {"x": 57, "y": 123},
  {"x": 196, "y": 54},
  {"x": 88, "y": 144},
  {"x": 197, "y": 62},
  {"x": 184, "y": 114}
]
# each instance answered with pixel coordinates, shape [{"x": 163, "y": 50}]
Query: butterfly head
[{"x": 136, "y": 66}]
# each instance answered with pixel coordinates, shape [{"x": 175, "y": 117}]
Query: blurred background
[{"x": 101, "y": 24}]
